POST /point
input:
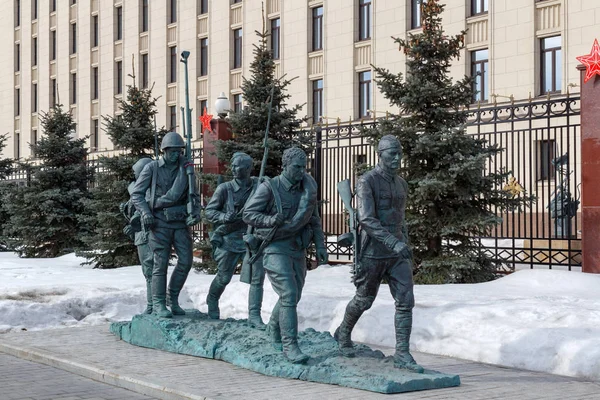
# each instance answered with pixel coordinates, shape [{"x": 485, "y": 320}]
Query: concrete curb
[{"x": 125, "y": 382}]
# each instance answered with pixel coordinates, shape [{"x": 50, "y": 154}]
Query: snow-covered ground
[{"x": 533, "y": 319}]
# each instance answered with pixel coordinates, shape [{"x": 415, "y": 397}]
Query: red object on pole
[
  {"x": 590, "y": 171},
  {"x": 219, "y": 130},
  {"x": 591, "y": 62}
]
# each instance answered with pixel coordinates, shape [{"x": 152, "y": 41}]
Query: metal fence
[{"x": 532, "y": 134}]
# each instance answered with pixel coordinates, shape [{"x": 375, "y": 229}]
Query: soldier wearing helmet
[
  {"x": 165, "y": 216},
  {"x": 384, "y": 252}
]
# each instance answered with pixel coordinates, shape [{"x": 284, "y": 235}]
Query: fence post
[{"x": 590, "y": 172}]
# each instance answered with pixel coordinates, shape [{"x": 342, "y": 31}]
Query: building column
[{"x": 590, "y": 172}]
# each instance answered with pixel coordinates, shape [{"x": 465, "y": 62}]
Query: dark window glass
[
  {"x": 73, "y": 38},
  {"x": 415, "y": 13},
  {"x": 173, "y": 64},
  {"x": 203, "y": 6},
  {"x": 145, "y": 71},
  {"x": 275, "y": 38},
  {"x": 17, "y": 102},
  {"x": 317, "y": 100},
  {"x": 172, "y": 11},
  {"x": 17, "y": 57},
  {"x": 551, "y": 65},
  {"x": 17, "y": 13},
  {"x": 53, "y": 93},
  {"x": 34, "y": 9},
  {"x": 73, "y": 88},
  {"x": 34, "y": 140},
  {"x": 172, "y": 118},
  {"x": 479, "y": 71},
  {"x": 119, "y": 72},
  {"x": 364, "y": 93},
  {"x": 94, "y": 83},
  {"x": 479, "y": 6},
  {"x": 236, "y": 1},
  {"x": 546, "y": 153},
  {"x": 237, "y": 48},
  {"x": 17, "y": 145},
  {"x": 144, "y": 27},
  {"x": 364, "y": 19},
  {"x": 73, "y": 2},
  {"x": 237, "y": 103},
  {"x": 95, "y": 31},
  {"x": 34, "y": 97},
  {"x": 317, "y": 28},
  {"x": 119, "y": 17},
  {"x": 34, "y": 52},
  {"x": 203, "y": 57},
  {"x": 203, "y": 106},
  {"x": 95, "y": 133},
  {"x": 52, "y": 5},
  {"x": 52, "y": 45}
]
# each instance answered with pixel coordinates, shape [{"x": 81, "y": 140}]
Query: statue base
[{"x": 235, "y": 342}]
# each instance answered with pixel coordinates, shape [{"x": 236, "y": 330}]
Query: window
[
  {"x": 119, "y": 77},
  {"x": 73, "y": 2},
  {"x": 144, "y": 17},
  {"x": 275, "y": 38},
  {"x": 172, "y": 64},
  {"x": 34, "y": 52},
  {"x": 172, "y": 118},
  {"x": 34, "y": 97},
  {"x": 94, "y": 83},
  {"x": 145, "y": 71},
  {"x": 237, "y": 48},
  {"x": 203, "y": 57},
  {"x": 364, "y": 93},
  {"x": 203, "y": 106},
  {"x": 415, "y": 14},
  {"x": 119, "y": 23},
  {"x": 52, "y": 45},
  {"x": 52, "y": 6},
  {"x": 73, "y": 38},
  {"x": 17, "y": 13},
  {"x": 236, "y": 1},
  {"x": 52, "y": 93},
  {"x": 479, "y": 7},
  {"x": 203, "y": 6},
  {"x": 95, "y": 31},
  {"x": 73, "y": 88},
  {"x": 34, "y": 9},
  {"x": 17, "y": 57},
  {"x": 94, "y": 137},
  {"x": 317, "y": 28},
  {"x": 551, "y": 65},
  {"x": 546, "y": 153},
  {"x": 17, "y": 102},
  {"x": 364, "y": 19},
  {"x": 34, "y": 140},
  {"x": 172, "y": 11},
  {"x": 479, "y": 71},
  {"x": 317, "y": 100},
  {"x": 17, "y": 145},
  {"x": 237, "y": 103}
]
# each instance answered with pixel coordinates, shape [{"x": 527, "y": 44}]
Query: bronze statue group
[{"x": 276, "y": 219}]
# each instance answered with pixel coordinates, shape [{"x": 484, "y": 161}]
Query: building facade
[{"x": 82, "y": 54}]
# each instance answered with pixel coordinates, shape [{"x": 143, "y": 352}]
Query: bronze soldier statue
[
  {"x": 225, "y": 211},
  {"x": 381, "y": 195},
  {"x": 284, "y": 212},
  {"x": 165, "y": 216}
]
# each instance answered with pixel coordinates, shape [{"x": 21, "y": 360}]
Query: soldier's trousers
[
  {"x": 161, "y": 241},
  {"x": 146, "y": 257},
  {"x": 227, "y": 262}
]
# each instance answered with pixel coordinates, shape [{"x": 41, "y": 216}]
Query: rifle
[
  {"x": 189, "y": 166},
  {"x": 250, "y": 258},
  {"x": 352, "y": 238}
]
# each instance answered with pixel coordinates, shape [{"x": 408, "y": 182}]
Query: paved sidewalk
[
  {"x": 22, "y": 379},
  {"x": 95, "y": 353}
]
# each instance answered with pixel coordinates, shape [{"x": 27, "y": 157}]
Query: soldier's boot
[
  {"x": 274, "y": 330},
  {"x": 342, "y": 335},
  {"x": 255, "y": 297},
  {"x": 212, "y": 299},
  {"x": 148, "y": 309},
  {"x": 402, "y": 358},
  {"x": 288, "y": 321},
  {"x": 159, "y": 306},
  {"x": 178, "y": 279}
]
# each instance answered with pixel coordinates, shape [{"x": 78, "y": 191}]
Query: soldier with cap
[
  {"x": 224, "y": 210},
  {"x": 384, "y": 252},
  {"x": 135, "y": 231},
  {"x": 164, "y": 215}
]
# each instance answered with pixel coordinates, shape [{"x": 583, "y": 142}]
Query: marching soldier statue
[
  {"x": 225, "y": 211},
  {"x": 284, "y": 212},
  {"x": 168, "y": 219},
  {"x": 383, "y": 252}
]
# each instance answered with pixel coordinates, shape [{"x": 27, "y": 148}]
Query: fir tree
[
  {"x": 43, "y": 217},
  {"x": 248, "y": 125},
  {"x": 452, "y": 198},
  {"x": 6, "y": 168},
  {"x": 132, "y": 132}
]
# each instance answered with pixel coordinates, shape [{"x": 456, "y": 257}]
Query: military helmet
[
  {"x": 139, "y": 165},
  {"x": 172, "y": 139}
]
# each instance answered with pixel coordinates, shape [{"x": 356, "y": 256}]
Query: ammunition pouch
[
  {"x": 252, "y": 241},
  {"x": 175, "y": 213}
]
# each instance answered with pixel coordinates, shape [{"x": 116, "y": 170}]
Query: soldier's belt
[{"x": 175, "y": 213}]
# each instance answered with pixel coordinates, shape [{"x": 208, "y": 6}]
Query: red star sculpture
[
  {"x": 205, "y": 119},
  {"x": 591, "y": 62}
]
